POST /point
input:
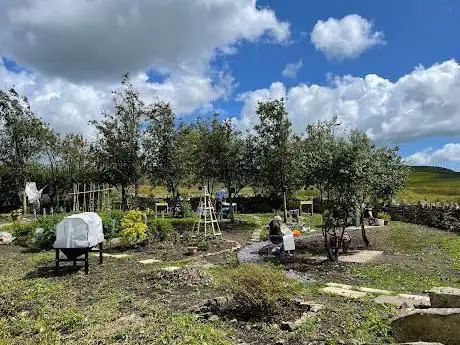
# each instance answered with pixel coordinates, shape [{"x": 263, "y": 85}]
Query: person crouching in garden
[{"x": 276, "y": 235}]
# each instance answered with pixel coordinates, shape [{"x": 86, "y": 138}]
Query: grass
[
  {"x": 417, "y": 258},
  {"x": 123, "y": 302}
]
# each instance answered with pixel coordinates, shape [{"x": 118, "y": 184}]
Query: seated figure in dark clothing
[{"x": 276, "y": 235}]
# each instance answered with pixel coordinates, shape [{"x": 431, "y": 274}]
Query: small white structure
[
  {"x": 76, "y": 235},
  {"x": 83, "y": 230},
  {"x": 5, "y": 237}
]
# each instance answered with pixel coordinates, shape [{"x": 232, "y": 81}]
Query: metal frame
[{"x": 75, "y": 260}]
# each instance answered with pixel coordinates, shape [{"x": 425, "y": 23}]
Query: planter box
[
  {"x": 192, "y": 250},
  {"x": 380, "y": 222}
]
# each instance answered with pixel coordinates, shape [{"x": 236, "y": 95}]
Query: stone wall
[{"x": 440, "y": 216}]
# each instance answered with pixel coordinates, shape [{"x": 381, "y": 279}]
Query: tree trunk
[
  {"x": 176, "y": 199},
  {"x": 232, "y": 216},
  {"x": 124, "y": 204},
  {"x": 363, "y": 230},
  {"x": 285, "y": 207},
  {"x": 136, "y": 194}
]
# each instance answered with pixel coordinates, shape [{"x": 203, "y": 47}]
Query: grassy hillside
[{"x": 432, "y": 184}]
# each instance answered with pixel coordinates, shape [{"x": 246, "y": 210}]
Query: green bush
[
  {"x": 23, "y": 232},
  {"x": 383, "y": 215},
  {"x": 256, "y": 289},
  {"x": 187, "y": 209},
  {"x": 134, "y": 230},
  {"x": 111, "y": 223},
  {"x": 203, "y": 245},
  {"x": 162, "y": 229}
]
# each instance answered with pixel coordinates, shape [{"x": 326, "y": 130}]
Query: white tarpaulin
[
  {"x": 33, "y": 194},
  {"x": 83, "y": 230}
]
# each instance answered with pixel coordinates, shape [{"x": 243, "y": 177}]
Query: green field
[{"x": 432, "y": 184}]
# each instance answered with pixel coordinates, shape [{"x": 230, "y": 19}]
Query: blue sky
[{"x": 225, "y": 56}]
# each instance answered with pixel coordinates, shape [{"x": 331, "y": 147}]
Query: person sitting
[{"x": 275, "y": 234}]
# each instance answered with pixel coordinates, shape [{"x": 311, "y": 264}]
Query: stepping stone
[
  {"x": 424, "y": 300},
  {"x": 344, "y": 292},
  {"x": 171, "y": 268},
  {"x": 358, "y": 257},
  {"x": 342, "y": 286},
  {"x": 117, "y": 256},
  {"x": 149, "y": 261},
  {"x": 399, "y": 301},
  {"x": 361, "y": 256},
  {"x": 375, "y": 291}
]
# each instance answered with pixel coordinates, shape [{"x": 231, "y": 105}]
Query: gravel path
[{"x": 250, "y": 253}]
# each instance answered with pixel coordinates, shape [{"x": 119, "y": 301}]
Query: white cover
[
  {"x": 288, "y": 242},
  {"x": 33, "y": 194},
  {"x": 83, "y": 230}
]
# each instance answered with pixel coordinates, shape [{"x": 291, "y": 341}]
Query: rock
[
  {"x": 375, "y": 291},
  {"x": 445, "y": 297},
  {"x": 149, "y": 261},
  {"x": 400, "y": 302},
  {"x": 5, "y": 237},
  {"x": 288, "y": 326},
  {"x": 344, "y": 292},
  {"x": 247, "y": 327},
  {"x": 421, "y": 300},
  {"x": 281, "y": 342},
  {"x": 171, "y": 268},
  {"x": 430, "y": 325},
  {"x": 233, "y": 321},
  {"x": 214, "y": 318}
]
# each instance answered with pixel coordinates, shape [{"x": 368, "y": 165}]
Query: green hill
[{"x": 432, "y": 184}]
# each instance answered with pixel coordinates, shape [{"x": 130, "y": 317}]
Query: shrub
[
  {"x": 162, "y": 229},
  {"x": 44, "y": 240},
  {"x": 187, "y": 209},
  {"x": 111, "y": 223},
  {"x": 23, "y": 232},
  {"x": 134, "y": 231},
  {"x": 383, "y": 215},
  {"x": 255, "y": 289},
  {"x": 203, "y": 245}
]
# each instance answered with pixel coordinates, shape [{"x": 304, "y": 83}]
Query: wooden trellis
[
  {"x": 207, "y": 224},
  {"x": 91, "y": 197}
]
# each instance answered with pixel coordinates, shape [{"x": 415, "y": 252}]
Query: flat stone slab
[
  {"x": 149, "y": 261},
  {"x": 171, "y": 268},
  {"x": 433, "y": 324},
  {"x": 400, "y": 301},
  {"x": 343, "y": 292},
  {"x": 375, "y": 291},
  {"x": 445, "y": 297},
  {"x": 358, "y": 257},
  {"x": 422, "y": 300},
  {"x": 117, "y": 256},
  {"x": 342, "y": 286},
  {"x": 361, "y": 256}
]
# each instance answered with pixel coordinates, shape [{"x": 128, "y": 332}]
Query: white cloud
[
  {"x": 77, "y": 51},
  {"x": 422, "y": 103},
  {"x": 291, "y": 69},
  {"x": 100, "y": 40},
  {"x": 345, "y": 38},
  {"x": 450, "y": 153},
  {"x": 69, "y": 106}
]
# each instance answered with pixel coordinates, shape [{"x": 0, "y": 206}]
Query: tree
[
  {"x": 235, "y": 162},
  {"x": 348, "y": 171},
  {"x": 164, "y": 149},
  {"x": 274, "y": 139},
  {"x": 118, "y": 149},
  {"x": 22, "y": 139}
]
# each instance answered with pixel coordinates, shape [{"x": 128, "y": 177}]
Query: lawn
[{"x": 125, "y": 302}]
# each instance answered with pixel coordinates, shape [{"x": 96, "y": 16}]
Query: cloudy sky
[{"x": 390, "y": 70}]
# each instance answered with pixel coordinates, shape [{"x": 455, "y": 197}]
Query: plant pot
[
  {"x": 15, "y": 217},
  {"x": 380, "y": 222},
  {"x": 191, "y": 251},
  {"x": 386, "y": 222}
]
